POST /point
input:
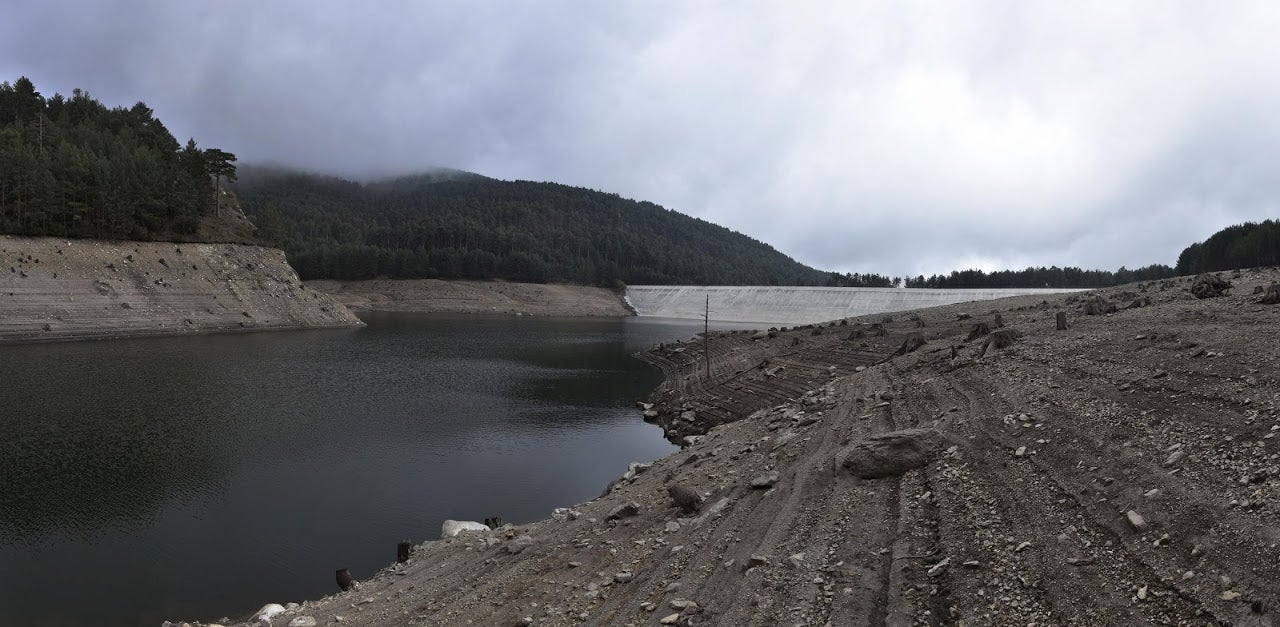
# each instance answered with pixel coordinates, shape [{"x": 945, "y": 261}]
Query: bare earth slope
[
  {"x": 1125, "y": 471},
  {"x": 54, "y": 289},
  {"x": 434, "y": 295}
]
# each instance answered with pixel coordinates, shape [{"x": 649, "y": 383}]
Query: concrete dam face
[{"x": 799, "y": 305}]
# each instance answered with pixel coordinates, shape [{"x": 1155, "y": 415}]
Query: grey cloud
[{"x": 867, "y": 136}]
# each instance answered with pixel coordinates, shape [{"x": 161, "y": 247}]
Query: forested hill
[
  {"x": 452, "y": 224},
  {"x": 1241, "y": 246},
  {"x": 71, "y": 167}
]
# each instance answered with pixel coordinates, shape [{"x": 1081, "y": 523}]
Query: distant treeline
[
  {"x": 452, "y": 224},
  {"x": 71, "y": 167},
  {"x": 1041, "y": 277},
  {"x": 1245, "y": 245},
  {"x": 853, "y": 279}
]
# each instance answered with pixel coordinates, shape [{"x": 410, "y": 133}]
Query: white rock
[
  {"x": 268, "y": 612},
  {"x": 451, "y": 528}
]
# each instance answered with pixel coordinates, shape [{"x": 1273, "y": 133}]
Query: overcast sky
[{"x": 898, "y": 137}]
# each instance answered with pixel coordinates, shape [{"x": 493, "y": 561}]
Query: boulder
[
  {"x": 268, "y": 612},
  {"x": 451, "y": 528},
  {"x": 684, "y": 497},
  {"x": 1209, "y": 286},
  {"x": 892, "y": 454},
  {"x": 626, "y": 510}
]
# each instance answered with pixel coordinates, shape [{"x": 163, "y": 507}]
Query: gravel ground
[{"x": 1123, "y": 471}]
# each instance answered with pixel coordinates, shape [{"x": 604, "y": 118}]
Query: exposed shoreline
[
  {"x": 1052, "y": 485},
  {"x": 54, "y": 289},
  {"x": 457, "y": 296}
]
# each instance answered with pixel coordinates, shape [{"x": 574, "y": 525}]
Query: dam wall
[
  {"x": 799, "y": 305},
  {"x": 58, "y": 289}
]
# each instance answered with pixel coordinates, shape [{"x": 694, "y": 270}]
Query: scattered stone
[
  {"x": 1021, "y": 452},
  {"x": 672, "y": 527},
  {"x": 519, "y": 543},
  {"x": 624, "y": 577},
  {"x": 757, "y": 560},
  {"x": 670, "y": 619},
  {"x": 303, "y": 621},
  {"x": 1142, "y": 593},
  {"x": 1229, "y": 595},
  {"x": 939, "y": 567},
  {"x": 892, "y": 454},
  {"x": 626, "y": 510},
  {"x": 1136, "y": 520},
  {"x": 765, "y": 481},
  {"x": 1174, "y": 458},
  {"x": 1022, "y": 547},
  {"x": 683, "y": 604}
]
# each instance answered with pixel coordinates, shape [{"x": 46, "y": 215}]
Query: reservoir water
[{"x": 196, "y": 477}]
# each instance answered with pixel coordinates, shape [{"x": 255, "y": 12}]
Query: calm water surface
[{"x": 194, "y": 477}]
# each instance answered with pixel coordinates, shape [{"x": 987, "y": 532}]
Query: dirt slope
[
  {"x": 434, "y": 295},
  {"x": 1125, "y": 471},
  {"x": 53, "y": 289}
]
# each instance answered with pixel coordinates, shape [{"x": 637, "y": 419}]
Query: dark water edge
[{"x": 194, "y": 477}]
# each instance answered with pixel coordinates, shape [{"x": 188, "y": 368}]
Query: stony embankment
[
  {"x": 56, "y": 289},
  {"x": 969, "y": 465},
  {"x": 434, "y": 295}
]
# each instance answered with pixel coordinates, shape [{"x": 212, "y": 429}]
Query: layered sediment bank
[
  {"x": 799, "y": 305},
  {"x": 57, "y": 289},
  {"x": 435, "y": 295},
  {"x": 956, "y": 465}
]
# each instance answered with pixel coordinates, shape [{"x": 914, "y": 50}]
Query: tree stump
[
  {"x": 911, "y": 344},
  {"x": 1002, "y": 338},
  {"x": 1272, "y": 295},
  {"x": 493, "y": 523},
  {"x": 978, "y": 331},
  {"x": 402, "y": 551},
  {"x": 1062, "y": 320},
  {"x": 1209, "y": 286},
  {"x": 1098, "y": 306},
  {"x": 345, "y": 580},
  {"x": 999, "y": 322}
]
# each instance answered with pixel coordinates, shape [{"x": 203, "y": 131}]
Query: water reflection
[{"x": 191, "y": 477}]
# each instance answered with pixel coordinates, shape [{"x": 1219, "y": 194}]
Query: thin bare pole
[{"x": 706, "y": 336}]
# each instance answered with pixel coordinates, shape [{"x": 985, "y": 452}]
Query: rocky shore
[
  {"x": 437, "y": 296},
  {"x": 56, "y": 289},
  {"x": 970, "y": 464}
]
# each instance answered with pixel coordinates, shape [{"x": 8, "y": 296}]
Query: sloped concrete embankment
[
  {"x": 799, "y": 305},
  {"x": 54, "y": 289}
]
